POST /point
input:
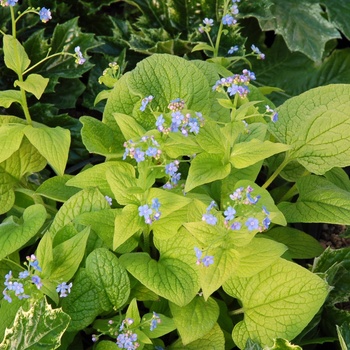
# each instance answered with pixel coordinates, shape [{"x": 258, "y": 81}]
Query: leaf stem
[
  {"x": 218, "y": 38},
  {"x": 237, "y": 312},
  {"x": 276, "y": 173}
]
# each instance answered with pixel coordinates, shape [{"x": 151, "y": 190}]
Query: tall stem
[
  {"x": 218, "y": 38},
  {"x": 276, "y": 173}
]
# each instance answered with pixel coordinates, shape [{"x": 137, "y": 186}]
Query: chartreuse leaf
[
  {"x": 39, "y": 327},
  {"x": 52, "y": 143},
  {"x": 170, "y": 278},
  {"x": 109, "y": 277},
  {"x": 213, "y": 340},
  {"x": 10, "y": 138},
  {"x": 130, "y": 128},
  {"x": 127, "y": 223},
  {"x": 14, "y": 235},
  {"x": 317, "y": 125},
  {"x": 68, "y": 255},
  {"x": 177, "y": 145},
  {"x": 35, "y": 84},
  {"x": 319, "y": 201},
  {"x": 86, "y": 200},
  {"x": 23, "y": 161},
  {"x": 82, "y": 304},
  {"x": 245, "y": 154},
  {"x": 300, "y": 245},
  {"x": 55, "y": 188},
  {"x": 99, "y": 138},
  {"x": 121, "y": 179},
  {"x": 196, "y": 319},
  {"x": 7, "y": 97},
  {"x": 284, "y": 344},
  {"x": 15, "y": 56},
  {"x": 107, "y": 345},
  {"x": 206, "y": 168},
  {"x": 277, "y": 302},
  {"x": 165, "y": 326}
]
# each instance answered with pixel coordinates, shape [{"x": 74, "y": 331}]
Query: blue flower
[
  {"x": 198, "y": 253},
  {"x": 109, "y": 200},
  {"x": 252, "y": 224},
  {"x": 79, "y": 56},
  {"x": 152, "y": 151},
  {"x": 154, "y": 322},
  {"x": 45, "y": 16},
  {"x": 145, "y": 211},
  {"x": 194, "y": 127},
  {"x": 208, "y": 22},
  {"x": 159, "y": 123},
  {"x": 252, "y": 200},
  {"x": 235, "y": 225},
  {"x": 9, "y": 3},
  {"x": 209, "y": 219},
  {"x": 7, "y": 297},
  {"x": 232, "y": 50},
  {"x": 172, "y": 168},
  {"x": 229, "y": 213},
  {"x": 64, "y": 289},
  {"x": 266, "y": 222},
  {"x": 17, "y": 287},
  {"x": 155, "y": 204},
  {"x": 139, "y": 155},
  {"x": 145, "y": 102},
  {"x": 257, "y": 51},
  {"x": 175, "y": 178},
  {"x": 208, "y": 260},
  {"x": 37, "y": 281},
  {"x": 23, "y": 274},
  {"x": 33, "y": 262},
  {"x": 228, "y": 20},
  {"x": 177, "y": 117}
]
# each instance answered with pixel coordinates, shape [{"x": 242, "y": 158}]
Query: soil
[{"x": 334, "y": 236}]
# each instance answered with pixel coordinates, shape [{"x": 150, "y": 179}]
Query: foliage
[{"x": 181, "y": 236}]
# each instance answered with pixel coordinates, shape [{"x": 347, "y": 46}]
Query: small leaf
[
  {"x": 245, "y": 154},
  {"x": 206, "y": 168},
  {"x": 7, "y": 97},
  {"x": 13, "y": 236},
  {"x": 35, "y": 84},
  {"x": 10, "y": 138},
  {"x": 196, "y": 319},
  {"x": 202, "y": 46},
  {"x": 15, "y": 55},
  {"x": 40, "y": 326},
  {"x": 130, "y": 128},
  {"x": 271, "y": 302},
  {"x": 52, "y": 144}
]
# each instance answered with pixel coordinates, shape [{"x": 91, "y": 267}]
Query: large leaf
[
  {"x": 319, "y": 201},
  {"x": 196, "y": 319},
  {"x": 109, "y": 277},
  {"x": 277, "y": 302},
  {"x": 316, "y": 123},
  {"x": 170, "y": 278},
  {"x": 10, "y": 137},
  {"x": 15, "y": 55},
  {"x": 14, "y": 235},
  {"x": 39, "y": 327}
]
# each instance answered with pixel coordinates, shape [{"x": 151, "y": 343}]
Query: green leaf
[
  {"x": 45, "y": 332},
  {"x": 316, "y": 123},
  {"x": 206, "y": 168},
  {"x": 99, "y": 138},
  {"x": 196, "y": 319},
  {"x": 7, "y": 97},
  {"x": 202, "y": 46},
  {"x": 213, "y": 340},
  {"x": 68, "y": 255},
  {"x": 35, "y": 84},
  {"x": 55, "y": 188},
  {"x": 15, "y": 235},
  {"x": 300, "y": 245},
  {"x": 304, "y": 29},
  {"x": 15, "y": 56},
  {"x": 271, "y": 302},
  {"x": 109, "y": 277},
  {"x": 344, "y": 335},
  {"x": 319, "y": 201},
  {"x": 52, "y": 144},
  {"x": 84, "y": 201},
  {"x": 10, "y": 138},
  {"x": 338, "y": 15},
  {"x": 130, "y": 128},
  {"x": 170, "y": 278},
  {"x": 107, "y": 345},
  {"x": 82, "y": 304},
  {"x": 165, "y": 326},
  {"x": 338, "y": 177},
  {"x": 283, "y": 344},
  {"x": 245, "y": 154},
  {"x": 178, "y": 145},
  {"x": 127, "y": 223}
]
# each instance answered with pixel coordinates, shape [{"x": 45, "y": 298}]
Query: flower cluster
[
  {"x": 206, "y": 260},
  {"x": 274, "y": 114},
  {"x": 145, "y": 102},
  {"x": 16, "y": 286},
  {"x": 155, "y": 320},
  {"x": 79, "y": 59},
  {"x": 146, "y": 147},
  {"x": 236, "y": 84},
  {"x": 171, "y": 170},
  {"x": 150, "y": 213},
  {"x": 229, "y": 17},
  {"x": 127, "y": 339},
  {"x": 8, "y": 2},
  {"x": 208, "y": 217},
  {"x": 176, "y": 105},
  {"x": 208, "y": 23},
  {"x": 257, "y": 52}
]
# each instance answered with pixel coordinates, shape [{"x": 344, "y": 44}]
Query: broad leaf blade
[
  {"x": 15, "y": 56},
  {"x": 35, "y": 84}
]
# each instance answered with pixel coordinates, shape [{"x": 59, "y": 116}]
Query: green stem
[
  {"x": 146, "y": 240},
  {"x": 290, "y": 193},
  {"x": 218, "y": 38},
  {"x": 47, "y": 58},
  {"x": 276, "y": 173},
  {"x": 13, "y": 21},
  {"x": 237, "y": 312}
]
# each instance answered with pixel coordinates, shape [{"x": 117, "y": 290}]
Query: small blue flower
[
  {"x": 79, "y": 56},
  {"x": 209, "y": 219},
  {"x": 175, "y": 178},
  {"x": 109, "y": 200},
  {"x": 229, "y": 213},
  {"x": 232, "y": 50},
  {"x": 176, "y": 118},
  {"x": 152, "y": 151},
  {"x": 155, "y": 204},
  {"x": 145, "y": 102},
  {"x": 228, "y": 20},
  {"x": 160, "y": 123},
  {"x": 208, "y": 260},
  {"x": 37, "y": 281},
  {"x": 64, "y": 289},
  {"x": 139, "y": 155},
  {"x": 252, "y": 200},
  {"x": 23, "y": 274},
  {"x": 265, "y": 211},
  {"x": 198, "y": 253},
  {"x": 145, "y": 211},
  {"x": 266, "y": 223},
  {"x": 45, "y": 15},
  {"x": 10, "y": 3},
  {"x": 208, "y": 22},
  {"x": 17, "y": 287},
  {"x": 35, "y": 263},
  {"x": 194, "y": 127},
  {"x": 154, "y": 322},
  {"x": 7, "y": 297},
  {"x": 252, "y": 224},
  {"x": 236, "y": 226},
  {"x": 172, "y": 168}
]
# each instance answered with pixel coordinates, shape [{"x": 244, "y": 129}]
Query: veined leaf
[
  {"x": 10, "y": 138},
  {"x": 15, "y": 55},
  {"x": 7, "y": 97},
  {"x": 35, "y": 84}
]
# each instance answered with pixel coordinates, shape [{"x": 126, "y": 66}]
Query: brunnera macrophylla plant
[{"x": 21, "y": 136}]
